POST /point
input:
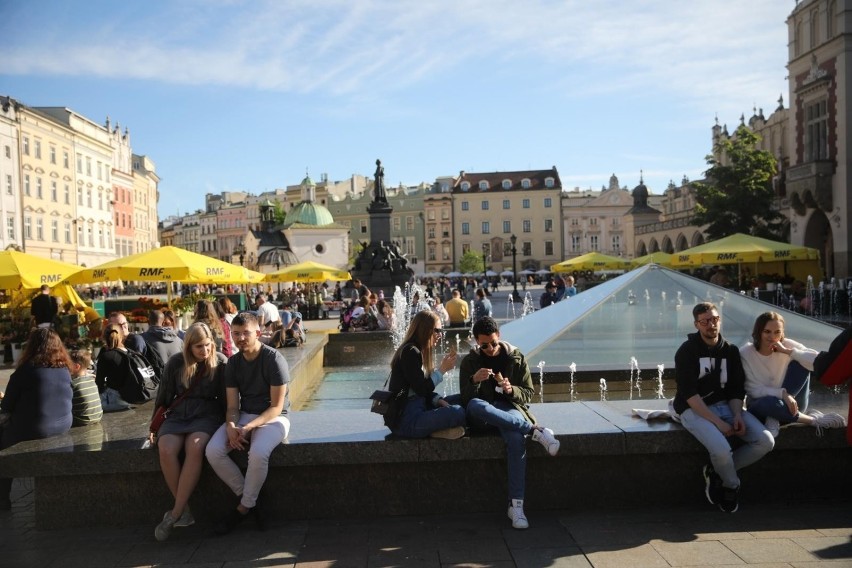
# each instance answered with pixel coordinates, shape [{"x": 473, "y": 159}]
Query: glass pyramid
[{"x": 645, "y": 313}]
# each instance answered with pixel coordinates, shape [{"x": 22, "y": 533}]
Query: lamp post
[
  {"x": 513, "y": 239},
  {"x": 485, "y": 256}
]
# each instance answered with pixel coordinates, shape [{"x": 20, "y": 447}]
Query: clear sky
[{"x": 248, "y": 94}]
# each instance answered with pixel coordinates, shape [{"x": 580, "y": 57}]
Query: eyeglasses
[
  {"x": 239, "y": 334},
  {"x": 438, "y": 331},
  {"x": 492, "y": 345},
  {"x": 708, "y": 321}
]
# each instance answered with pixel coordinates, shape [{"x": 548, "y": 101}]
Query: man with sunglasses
[
  {"x": 710, "y": 392},
  {"x": 496, "y": 387}
]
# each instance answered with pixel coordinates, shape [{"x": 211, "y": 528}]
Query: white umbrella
[
  {"x": 507, "y": 273},
  {"x": 542, "y": 272},
  {"x": 526, "y": 272},
  {"x": 454, "y": 274},
  {"x": 490, "y": 273}
]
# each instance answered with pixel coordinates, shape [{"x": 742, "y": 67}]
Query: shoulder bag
[{"x": 163, "y": 411}]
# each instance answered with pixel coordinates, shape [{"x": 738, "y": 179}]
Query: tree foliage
[
  {"x": 471, "y": 262},
  {"x": 738, "y": 197}
]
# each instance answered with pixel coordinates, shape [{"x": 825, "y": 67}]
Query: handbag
[
  {"x": 162, "y": 411},
  {"x": 383, "y": 400}
]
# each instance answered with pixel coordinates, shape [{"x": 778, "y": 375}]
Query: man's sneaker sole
[
  {"x": 709, "y": 484},
  {"x": 448, "y": 433}
]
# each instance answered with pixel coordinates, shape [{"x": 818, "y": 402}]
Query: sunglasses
[
  {"x": 438, "y": 331},
  {"x": 492, "y": 345},
  {"x": 708, "y": 321}
]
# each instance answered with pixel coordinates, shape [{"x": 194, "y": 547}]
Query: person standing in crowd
[
  {"x": 256, "y": 385},
  {"x": 196, "y": 376},
  {"x": 482, "y": 306},
  {"x": 496, "y": 388},
  {"x": 423, "y": 412},
  {"x": 709, "y": 399},
  {"x": 457, "y": 309},
  {"x": 37, "y": 401},
  {"x": 44, "y": 307},
  {"x": 777, "y": 371}
]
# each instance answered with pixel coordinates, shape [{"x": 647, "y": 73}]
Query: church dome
[
  {"x": 640, "y": 194},
  {"x": 309, "y": 213}
]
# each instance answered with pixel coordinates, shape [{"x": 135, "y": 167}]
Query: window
[
  {"x": 548, "y": 225},
  {"x": 526, "y": 248},
  {"x": 10, "y": 227},
  {"x": 8, "y": 184},
  {"x": 80, "y": 196},
  {"x": 465, "y": 228},
  {"x": 430, "y": 215},
  {"x": 485, "y": 206},
  {"x": 814, "y": 31},
  {"x": 80, "y": 233},
  {"x": 507, "y": 226},
  {"x": 525, "y": 183},
  {"x": 593, "y": 242},
  {"x": 431, "y": 232},
  {"x": 465, "y": 206},
  {"x": 100, "y": 171},
  {"x": 575, "y": 243},
  {"x": 507, "y": 204},
  {"x": 816, "y": 131},
  {"x": 616, "y": 243},
  {"x": 54, "y": 192},
  {"x": 37, "y": 147},
  {"x": 67, "y": 194},
  {"x": 486, "y": 227},
  {"x": 507, "y": 248},
  {"x": 548, "y": 248},
  {"x": 26, "y": 145},
  {"x": 39, "y": 193},
  {"x": 830, "y": 28},
  {"x": 507, "y": 184},
  {"x": 88, "y": 166},
  {"x": 525, "y": 204},
  {"x": 575, "y": 222},
  {"x": 27, "y": 185},
  {"x": 80, "y": 164},
  {"x": 39, "y": 229},
  {"x": 101, "y": 238},
  {"x": 549, "y": 182},
  {"x": 54, "y": 231},
  {"x": 409, "y": 222},
  {"x": 593, "y": 221},
  {"x": 548, "y": 202},
  {"x": 445, "y": 231},
  {"x": 431, "y": 252},
  {"x": 68, "y": 232},
  {"x": 91, "y": 237},
  {"x": 483, "y": 185},
  {"x": 8, "y": 151},
  {"x": 52, "y": 154},
  {"x": 445, "y": 252},
  {"x": 28, "y": 230},
  {"x": 445, "y": 213},
  {"x": 65, "y": 159},
  {"x": 465, "y": 186},
  {"x": 363, "y": 227},
  {"x": 527, "y": 226},
  {"x": 89, "y": 197},
  {"x": 100, "y": 199}
]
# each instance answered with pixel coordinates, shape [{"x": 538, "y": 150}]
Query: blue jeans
[
  {"x": 419, "y": 419},
  {"x": 757, "y": 441},
  {"x": 513, "y": 427},
  {"x": 797, "y": 381}
]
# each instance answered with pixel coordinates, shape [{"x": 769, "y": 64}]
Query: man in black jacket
[
  {"x": 709, "y": 400},
  {"x": 44, "y": 307}
]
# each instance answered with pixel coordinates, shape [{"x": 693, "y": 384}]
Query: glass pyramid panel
[{"x": 645, "y": 313}]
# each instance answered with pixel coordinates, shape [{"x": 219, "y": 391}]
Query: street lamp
[
  {"x": 513, "y": 239},
  {"x": 485, "y": 256}
]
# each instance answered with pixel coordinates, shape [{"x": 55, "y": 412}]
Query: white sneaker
[
  {"x": 516, "y": 514},
  {"x": 830, "y": 420},
  {"x": 186, "y": 519},
  {"x": 164, "y": 529},
  {"x": 453, "y": 433},
  {"x": 773, "y": 426},
  {"x": 545, "y": 437}
]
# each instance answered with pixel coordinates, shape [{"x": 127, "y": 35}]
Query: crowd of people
[{"x": 221, "y": 385}]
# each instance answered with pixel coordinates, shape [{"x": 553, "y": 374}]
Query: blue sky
[{"x": 245, "y": 95}]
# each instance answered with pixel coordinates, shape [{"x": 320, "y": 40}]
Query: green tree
[
  {"x": 471, "y": 262},
  {"x": 738, "y": 197},
  {"x": 279, "y": 214}
]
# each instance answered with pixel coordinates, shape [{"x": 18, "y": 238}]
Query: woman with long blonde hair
[
  {"x": 421, "y": 411},
  {"x": 197, "y": 375}
]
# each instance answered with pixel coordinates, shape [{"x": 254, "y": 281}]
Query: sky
[{"x": 249, "y": 95}]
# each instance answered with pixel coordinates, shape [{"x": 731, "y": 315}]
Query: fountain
[
  {"x": 541, "y": 381},
  {"x": 572, "y": 368},
  {"x": 603, "y": 389},
  {"x": 660, "y": 388}
]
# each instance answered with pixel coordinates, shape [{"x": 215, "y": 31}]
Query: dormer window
[
  {"x": 525, "y": 183},
  {"x": 465, "y": 186},
  {"x": 483, "y": 185},
  {"x": 507, "y": 183},
  {"x": 549, "y": 182}
]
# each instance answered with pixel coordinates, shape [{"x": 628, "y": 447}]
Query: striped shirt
[{"x": 86, "y": 405}]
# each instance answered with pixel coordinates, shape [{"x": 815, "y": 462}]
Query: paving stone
[
  {"x": 769, "y": 550},
  {"x": 696, "y": 553}
]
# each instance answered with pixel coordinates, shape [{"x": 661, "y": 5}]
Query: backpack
[
  {"x": 144, "y": 385},
  {"x": 154, "y": 359},
  {"x": 346, "y": 318}
]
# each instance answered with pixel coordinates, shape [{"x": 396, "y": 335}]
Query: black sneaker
[
  {"x": 712, "y": 484},
  {"x": 728, "y": 502},
  {"x": 229, "y": 523}
]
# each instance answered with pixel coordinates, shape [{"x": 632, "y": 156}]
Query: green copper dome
[{"x": 309, "y": 213}]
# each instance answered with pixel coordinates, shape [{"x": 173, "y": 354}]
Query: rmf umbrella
[
  {"x": 22, "y": 270},
  {"x": 659, "y": 257},
  {"x": 739, "y": 248},
  {"x": 591, "y": 261},
  {"x": 308, "y": 271},
  {"x": 167, "y": 264}
]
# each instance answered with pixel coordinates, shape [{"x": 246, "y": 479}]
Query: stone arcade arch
[
  {"x": 682, "y": 243},
  {"x": 818, "y": 235}
]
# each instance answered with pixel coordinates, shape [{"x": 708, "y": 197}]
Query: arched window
[
  {"x": 525, "y": 183},
  {"x": 549, "y": 182},
  {"x": 797, "y": 41},
  {"x": 465, "y": 186},
  {"x": 483, "y": 185},
  {"x": 830, "y": 15},
  {"x": 814, "y": 29},
  {"x": 507, "y": 183}
]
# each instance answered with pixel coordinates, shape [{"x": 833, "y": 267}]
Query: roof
[
  {"x": 495, "y": 180},
  {"x": 309, "y": 213}
]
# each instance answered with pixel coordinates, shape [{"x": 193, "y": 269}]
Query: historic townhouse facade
[
  {"x": 10, "y": 194},
  {"x": 438, "y": 220},
  {"x": 146, "y": 195},
  {"x": 122, "y": 191},
  {"x": 490, "y": 207}
]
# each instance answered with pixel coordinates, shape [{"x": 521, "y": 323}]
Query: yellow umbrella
[
  {"x": 738, "y": 248},
  {"x": 308, "y": 271},
  {"x": 22, "y": 270},
  {"x": 659, "y": 257},
  {"x": 167, "y": 264},
  {"x": 591, "y": 261}
]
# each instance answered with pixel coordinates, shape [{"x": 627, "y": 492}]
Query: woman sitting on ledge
[{"x": 37, "y": 401}]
